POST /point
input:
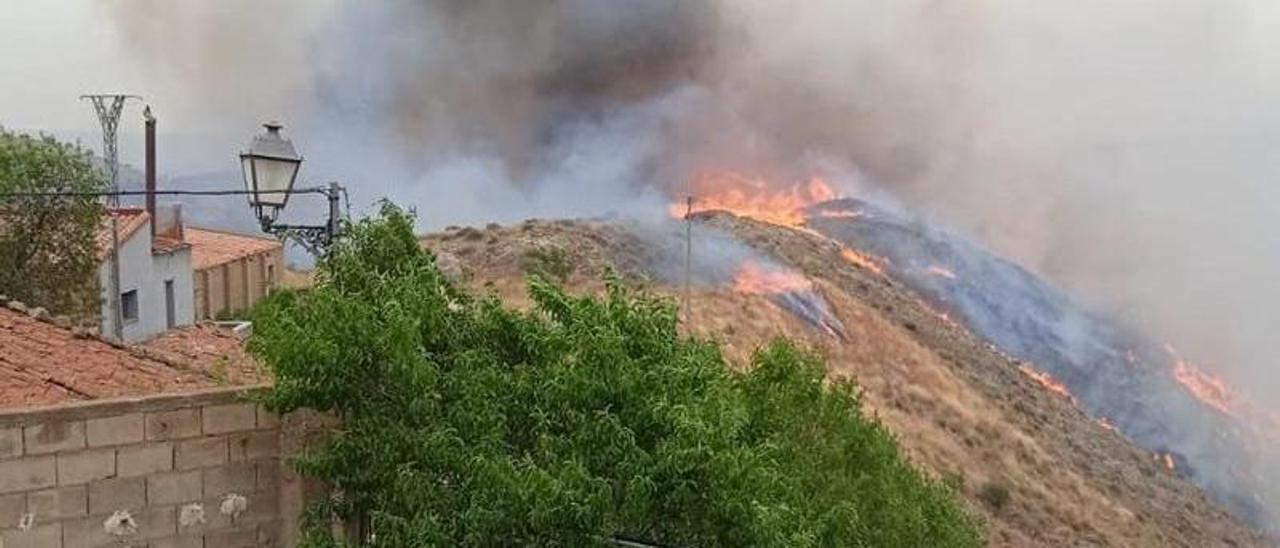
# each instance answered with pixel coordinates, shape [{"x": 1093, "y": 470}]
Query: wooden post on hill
[{"x": 688, "y": 257}]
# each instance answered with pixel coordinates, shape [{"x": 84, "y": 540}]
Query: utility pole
[
  {"x": 688, "y": 258},
  {"x": 108, "y": 107}
]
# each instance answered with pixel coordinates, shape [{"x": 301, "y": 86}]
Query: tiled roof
[
  {"x": 130, "y": 219},
  {"x": 211, "y": 350},
  {"x": 162, "y": 245},
  {"x": 211, "y": 248},
  {"x": 42, "y": 363}
]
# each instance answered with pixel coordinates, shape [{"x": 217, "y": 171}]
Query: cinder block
[
  {"x": 247, "y": 538},
  {"x": 200, "y": 453},
  {"x": 174, "y": 488},
  {"x": 10, "y": 442},
  {"x": 85, "y": 466},
  {"x": 117, "y": 430},
  {"x": 53, "y": 436},
  {"x": 268, "y": 475},
  {"x": 28, "y": 473},
  {"x": 85, "y": 533},
  {"x": 255, "y": 445},
  {"x": 184, "y": 541},
  {"x": 262, "y": 508},
  {"x": 267, "y": 419},
  {"x": 233, "y": 478},
  {"x": 48, "y": 535},
  {"x": 155, "y": 523},
  {"x": 232, "y": 417},
  {"x": 11, "y": 509},
  {"x": 111, "y": 495},
  {"x": 60, "y": 503},
  {"x": 138, "y": 460},
  {"x": 172, "y": 425},
  {"x": 269, "y": 534}
]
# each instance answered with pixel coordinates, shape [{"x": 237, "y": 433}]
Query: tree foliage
[
  {"x": 48, "y": 250},
  {"x": 578, "y": 422}
]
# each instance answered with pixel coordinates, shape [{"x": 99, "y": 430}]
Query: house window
[{"x": 129, "y": 305}]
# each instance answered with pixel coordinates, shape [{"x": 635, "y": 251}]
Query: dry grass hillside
[{"x": 1039, "y": 470}]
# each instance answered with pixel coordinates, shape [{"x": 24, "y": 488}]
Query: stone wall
[
  {"x": 191, "y": 470},
  {"x": 237, "y": 285}
]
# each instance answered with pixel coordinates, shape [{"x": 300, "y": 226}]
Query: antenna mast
[{"x": 109, "y": 107}]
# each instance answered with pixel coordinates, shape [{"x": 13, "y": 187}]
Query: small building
[
  {"x": 155, "y": 274},
  {"x": 232, "y": 271}
]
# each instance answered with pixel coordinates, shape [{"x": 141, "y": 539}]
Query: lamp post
[{"x": 270, "y": 169}]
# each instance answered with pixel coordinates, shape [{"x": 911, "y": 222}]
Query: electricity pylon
[{"x": 109, "y": 107}]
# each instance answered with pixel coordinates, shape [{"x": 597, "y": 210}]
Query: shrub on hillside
[{"x": 582, "y": 421}]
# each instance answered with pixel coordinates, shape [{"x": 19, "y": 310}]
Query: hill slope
[{"x": 961, "y": 408}]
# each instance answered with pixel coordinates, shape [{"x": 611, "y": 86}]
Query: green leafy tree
[
  {"x": 48, "y": 249},
  {"x": 582, "y": 421}
]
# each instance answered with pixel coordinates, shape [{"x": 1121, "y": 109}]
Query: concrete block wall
[{"x": 197, "y": 470}]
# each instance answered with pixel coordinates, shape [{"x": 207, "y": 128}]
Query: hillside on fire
[{"x": 1029, "y": 444}]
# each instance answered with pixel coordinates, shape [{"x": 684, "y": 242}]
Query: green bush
[
  {"x": 549, "y": 263},
  {"x": 579, "y": 422},
  {"x": 48, "y": 248}
]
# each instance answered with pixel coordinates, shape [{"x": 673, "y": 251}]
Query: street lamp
[{"x": 270, "y": 168}]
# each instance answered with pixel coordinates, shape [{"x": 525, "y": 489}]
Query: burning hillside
[
  {"x": 962, "y": 408},
  {"x": 1143, "y": 390}
]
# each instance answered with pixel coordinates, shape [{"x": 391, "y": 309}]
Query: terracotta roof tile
[
  {"x": 41, "y": 363},
  {"x": 130, "y": 220},
  {"x": 161, "y": 245},
  {"x": 211, "y": 248}
]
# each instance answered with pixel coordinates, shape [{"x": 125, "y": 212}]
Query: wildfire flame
[
  {"x": 1209, "y": 389},
  {"x": 941, "y": 272},
  {"x": 748, "y": 197},
  {"x": 1047, "y": 381},
  {"x": 1165, "y": 459},
  {"x": 754, "y": 279},
  {"x": 1106, "y": 423},
  {"x": 863, "y": 261}
]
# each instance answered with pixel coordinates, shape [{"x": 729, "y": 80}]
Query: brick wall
[{"x": 172, "y": 463}]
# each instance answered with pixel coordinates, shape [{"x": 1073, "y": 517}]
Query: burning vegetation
[
  {"x": 756, "y": 198},
  {"x": 1047, "y": 381},
  {"x": 790, "y": 290},
  {"x": 1075, "y": 352}
]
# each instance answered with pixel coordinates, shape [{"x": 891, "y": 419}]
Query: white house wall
[{"x": 147, "y": 273}]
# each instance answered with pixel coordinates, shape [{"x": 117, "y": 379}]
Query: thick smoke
[{"x": 1123, "y": 149}]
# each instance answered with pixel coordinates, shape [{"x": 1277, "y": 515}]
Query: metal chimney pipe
[{"x": 151, "y": 166}]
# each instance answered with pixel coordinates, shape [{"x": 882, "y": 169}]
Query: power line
[{"x": 108, "y": 193}]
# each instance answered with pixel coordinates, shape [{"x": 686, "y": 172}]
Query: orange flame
[
  {"x": 1165, "y": 459},
  {"x": 864, "y": 261},
  {"x": 1210, "y": 390},
  {"x": 754, "y": 279},
  {"x": 747, "y": 197},
  {"x": 1106, "y": 423},
  {"x": 1047, "y": 381},
  {"x": 941, "y": 272}
]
